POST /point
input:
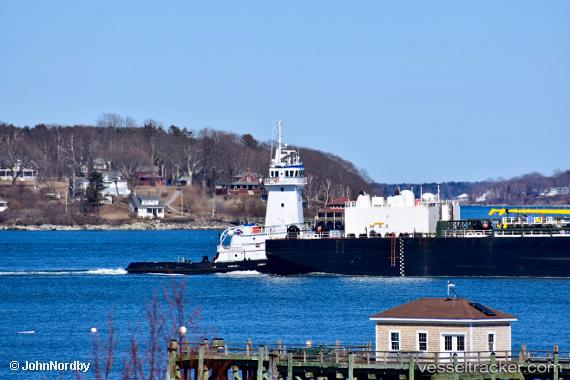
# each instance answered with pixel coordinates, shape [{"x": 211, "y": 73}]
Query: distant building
[
  {"x": 78, "y": 185},
  {"x": 28, "y": 173},
  {"x": 444, "y": 325},
  {"x": 115, "y": 185},
  {"x": 100, "y": 165},
  {"x": 463, "y": 198},
  {"x": 554, "y": 191},
  {"x": 113, "y": 182},
  {"x": 149, "y": 176},
  {"x": 183, "y": 181},
  {"x": 484, "y": 197},
  {"x": 332, "y": 215},
  {"x": 3, "y": 205},
  {"x": 147, "y": 206},
  {"x": 83, "y": 170},
  {"x": 220, "y": 188},
  {"x": 247, "y": 183}
]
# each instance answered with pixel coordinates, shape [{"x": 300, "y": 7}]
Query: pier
[{"x": 220, "y": 360}]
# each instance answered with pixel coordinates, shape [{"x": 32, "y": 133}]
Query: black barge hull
[
  {"x": 172, "y": 267},
  {"x": 427, "y": 256}
]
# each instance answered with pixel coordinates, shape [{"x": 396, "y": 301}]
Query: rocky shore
[{"x": 136, "y": 226}]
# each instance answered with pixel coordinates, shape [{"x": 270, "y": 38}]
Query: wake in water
[
  {"x": 67, "y": 272},
  {"x": 241, "y": 273}
]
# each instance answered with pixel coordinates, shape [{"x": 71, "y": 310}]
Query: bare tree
[
  {"x": 14, "y": 155},
  {"x": 111, "y": 120}
]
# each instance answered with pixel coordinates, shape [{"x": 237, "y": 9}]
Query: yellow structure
[{"x": 503, "y": 211}]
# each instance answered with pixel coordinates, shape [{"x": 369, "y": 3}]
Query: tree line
[
  {"x": 205, "y": 157},
  {"x": 525, "y": 189}
]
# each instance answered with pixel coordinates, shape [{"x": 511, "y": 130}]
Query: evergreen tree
[{"x": 96, "y": 186}]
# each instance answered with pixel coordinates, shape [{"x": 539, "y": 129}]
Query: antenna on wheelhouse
[
  {"x": 279, "y": 140},
  {"x": 271, "y": 149}
]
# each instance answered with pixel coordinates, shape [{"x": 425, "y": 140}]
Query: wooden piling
[
  {"x": 455, "y": 367},
  {"x": 493, "y": 365},
  {"x": 235, "y": 373},
  {"x": 351, "y": 366},
  {"x": 260, "y": 364},
  {"x": 556, "y": 361},
  {"x": 201, "y": 363},
  {"x": 290, "y": 366},
  {"x": 173, "y": 373},
  {"x": 273, "y": 371},
  {"x": 411, "y": 368}
]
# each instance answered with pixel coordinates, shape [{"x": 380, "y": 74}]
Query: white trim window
[
  {"x": 491, "y": 341},
  {"x": 460, "y": 342},
  {"x": 422, "y": 341},
  {"x": 394, "y": 340}
]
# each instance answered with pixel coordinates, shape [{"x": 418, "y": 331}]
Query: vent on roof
[{"x": 482, "y": 308}]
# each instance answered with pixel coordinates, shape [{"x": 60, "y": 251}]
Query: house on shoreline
[
  {"x": 443, "y": 325},
  {"x": 147, "y": 206}
]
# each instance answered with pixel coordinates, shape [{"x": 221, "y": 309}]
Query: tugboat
[{"x": 242, "y": 248}]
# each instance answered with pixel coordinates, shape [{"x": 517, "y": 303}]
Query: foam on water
[
  {"x": 242, "y": 273},
  {"x": 65, "y": 272}
]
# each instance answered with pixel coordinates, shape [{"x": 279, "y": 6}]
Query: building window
[
  {"x": 448, "y": 343},
  {"x": 460, "y": 343},
  {"x": 282, "y": 189},
  {"x": 422, "y": 341},
  {"x": 149, "y": 211},
  {"x": 395, "y": 341},
  {"x": 491, "y": 342},
  {"x": 282, "y": 204}
]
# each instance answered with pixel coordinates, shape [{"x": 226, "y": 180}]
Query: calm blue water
[{"x": 42, "y": 290}]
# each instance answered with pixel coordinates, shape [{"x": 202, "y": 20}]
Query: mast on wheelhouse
[{"x": 285, "y": 183}]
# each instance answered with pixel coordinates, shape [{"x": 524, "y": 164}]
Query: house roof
[
  {"x": 139, "y": 199},
  {"x": 429, "y": 309},
  {"x": 339, "y": 201}
]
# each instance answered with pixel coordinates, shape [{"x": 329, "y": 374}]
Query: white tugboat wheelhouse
[{"x": 284, "y": 212}]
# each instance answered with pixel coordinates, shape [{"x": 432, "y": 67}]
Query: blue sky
[{"x": 409, "y": 91}]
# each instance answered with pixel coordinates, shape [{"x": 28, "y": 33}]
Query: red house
[
  {"x": 149, "y": 176},
  {"x": 247, "y": 183}
]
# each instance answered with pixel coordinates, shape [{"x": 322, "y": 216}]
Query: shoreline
[{"x": 137, "y": 226}]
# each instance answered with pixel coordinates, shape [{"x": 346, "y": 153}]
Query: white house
[
  {"x": 3, "y": 205},
  {"x": 115, "y": 185},
  {"x": 463, "y": 198},
  {"x": 25, "y": 174},
  {"x": 483, "y": 197},
  {"x": 99, "y": 165},
  {"x": 147, "y": 206}
]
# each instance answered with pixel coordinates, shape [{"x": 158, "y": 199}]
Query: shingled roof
[{"x": 443, "y": 309}]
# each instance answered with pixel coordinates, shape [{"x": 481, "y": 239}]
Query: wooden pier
[{"x": 219, "y": 360}]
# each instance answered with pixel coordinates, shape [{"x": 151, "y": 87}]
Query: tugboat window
[
  {"x": 282, "y": 204},
  {"x": 282, "y": 189}
]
